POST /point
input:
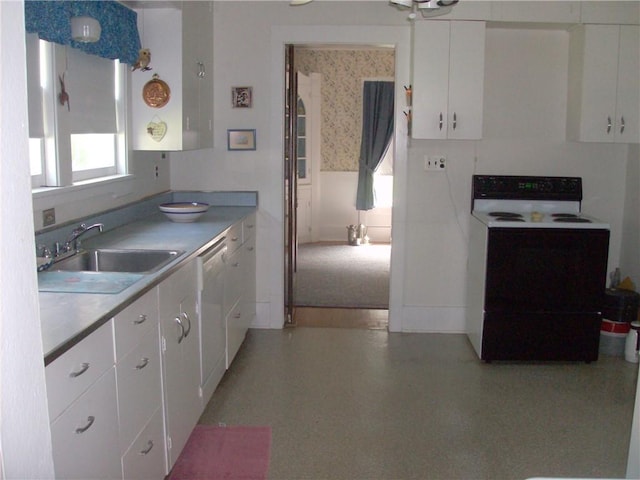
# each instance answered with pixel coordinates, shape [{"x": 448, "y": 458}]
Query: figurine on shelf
[{"x": 144, "y": 59}]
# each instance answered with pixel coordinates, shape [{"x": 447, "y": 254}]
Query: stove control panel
[{"x": 516, "y": 187}]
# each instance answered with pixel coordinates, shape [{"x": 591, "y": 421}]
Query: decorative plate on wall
[{"x": 156, "y": 93}]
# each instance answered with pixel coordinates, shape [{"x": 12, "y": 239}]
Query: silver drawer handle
[
  {"x": 250, "y": 249},
  {"x": 234, "y": 239},
  {"x": 143, "y": 363},
  {"x": 237, "y": 315},
  {"x": 440, "y": 122},
  {"x": 237, "y": 264},
  {"x": 83, "y": 368},
  {"x": 250, "y": 226},
  {"x": 141, "y": 319},
  {"x": 455, "y": 120},
  {"x": 148, "y": 449},
  {"x": 622, "y": 126},
  {"x": 90, "y": 421},
  {"x": 186, "y": 317},
  {"x": 608, "y": 124},
  {"x": 179, "y": 322}
]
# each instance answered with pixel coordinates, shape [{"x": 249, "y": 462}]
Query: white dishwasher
[{"x": 211, "y": 318}]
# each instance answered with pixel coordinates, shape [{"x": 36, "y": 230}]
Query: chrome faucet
[{"x": 71, "y": 243}]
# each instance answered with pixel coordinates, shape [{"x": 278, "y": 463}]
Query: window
[{"x": 76, "y": 115}]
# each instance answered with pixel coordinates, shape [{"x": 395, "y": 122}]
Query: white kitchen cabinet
[
  {"x": 180, "y": 358},
  {"x": 85, "y": 437},
  {"x": 240, "y": 286},
  {"x": 81, "y": 392},
  {"x": 138, "y": 378},
  {"x": 181, "y": 44},
  {"x": 448, "y": 79},
  {"x": 604, "y": 84}
]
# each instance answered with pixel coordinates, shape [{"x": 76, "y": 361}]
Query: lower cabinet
[
  {"x": 180, "y": 358},
  {"x": 85, "y": 436},
  {"x": 81, "y": 390}
]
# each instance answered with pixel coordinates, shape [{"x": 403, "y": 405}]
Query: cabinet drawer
[
  {"x": 134, "y": 322},
  {"x": 234, "y": 238},
  {"x": 145, "y": 457},
  {"x": 74, "y": 371},
  {"x": 249, "y": 227},
  {"x": 85, "y": 437},
  {"x": 233, "y": 280},
  {"x": 139, "y": 387}
]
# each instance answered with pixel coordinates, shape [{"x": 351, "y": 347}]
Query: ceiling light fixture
[
  {"x": 85, "y": 29},
  {"x": 428, "y": 8}
]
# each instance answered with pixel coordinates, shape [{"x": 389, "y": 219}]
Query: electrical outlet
[
  {"x": 48, "y": 217},
  {"x": 435, "y": 163}
]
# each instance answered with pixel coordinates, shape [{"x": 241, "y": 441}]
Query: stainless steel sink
[{"x": 117, "y": 260}]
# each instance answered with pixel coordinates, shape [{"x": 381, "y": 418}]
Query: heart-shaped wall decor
[{"x": 157, "y": 130}]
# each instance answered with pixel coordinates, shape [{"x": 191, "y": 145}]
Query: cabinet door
[
  {"x": 430, "y": 79},
  {"x": 145, "y": 458},
  {"x": 592, "y": 80},
  {"x": 448, "y": 80},
  {"x": 85, "y": 436},
  {"x": 628, "y": 95},
  {"x": 466, "y": 80},
  {"x": 181, "y": 358}
]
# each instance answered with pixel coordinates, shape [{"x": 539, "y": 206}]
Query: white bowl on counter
[{"x": 184, "y": 212}]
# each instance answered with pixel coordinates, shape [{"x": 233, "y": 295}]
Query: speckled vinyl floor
[{"x": 366, "y": 404}]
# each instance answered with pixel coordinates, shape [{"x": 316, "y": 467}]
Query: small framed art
[
  {"x": 241, "y": 97},
  {"x": 241, "y": 139}
]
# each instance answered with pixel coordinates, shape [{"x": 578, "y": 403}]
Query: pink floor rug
[{"x": 230, "y": 453}]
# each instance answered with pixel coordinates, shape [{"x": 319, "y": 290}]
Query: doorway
[{"x": 346, "y": 285}]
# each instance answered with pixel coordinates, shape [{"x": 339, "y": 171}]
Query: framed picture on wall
[
  {"x": 241, "y": 97},
  {"x": 241, "y": 139}
]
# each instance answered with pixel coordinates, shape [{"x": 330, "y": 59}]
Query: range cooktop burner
[
  {"x": 505, "y": 215},
  {"x": 572, "y": 220},
  {"x": 564, "y": 215},
  {"x": 516, "y": 218}
]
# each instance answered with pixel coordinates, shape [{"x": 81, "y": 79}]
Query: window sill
[{"x": 104, "y": 183}]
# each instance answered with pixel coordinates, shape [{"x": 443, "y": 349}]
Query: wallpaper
[{"x": 343, "y": 72}]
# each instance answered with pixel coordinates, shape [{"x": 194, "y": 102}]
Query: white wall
[
  {"x": 525, "y": 114},
  {"x": 25, "y": 441},
  {"x": 337, "y": 209}
]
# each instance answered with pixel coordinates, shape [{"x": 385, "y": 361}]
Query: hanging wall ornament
[
  {"x": 156, "y": 128},
  {"x": 144, "y": 59},
  {"x": 63, "y": 96},
  {"x": 156, "y": 93}
]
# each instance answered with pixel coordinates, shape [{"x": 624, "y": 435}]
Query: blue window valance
[{"x": 51, "y": 20}]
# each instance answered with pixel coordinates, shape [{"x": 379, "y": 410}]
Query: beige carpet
[{"x": 342, "y": 276}]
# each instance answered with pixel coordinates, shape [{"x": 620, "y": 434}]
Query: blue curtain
[
  {"x": 377, "y": 128},
  {"x": 51, "y": 20}
]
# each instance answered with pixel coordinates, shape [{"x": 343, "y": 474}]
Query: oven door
[
  {"x": 546, "y": 270},
  {"x": 544, "y": 293}
]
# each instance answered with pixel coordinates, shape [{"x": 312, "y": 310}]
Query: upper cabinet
[
  {"x": 175, "y": 110},
  {"x": 604, "y": 84},
  {"x": 448, "y": 79}
]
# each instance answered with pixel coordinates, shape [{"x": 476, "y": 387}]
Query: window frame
[{"x": 56, "y": 143}]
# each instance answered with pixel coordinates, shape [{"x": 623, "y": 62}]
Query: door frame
[{"x": 400, "y": 39}]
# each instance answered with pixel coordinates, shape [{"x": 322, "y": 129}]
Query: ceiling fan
[{"x": 428, "y": 8}]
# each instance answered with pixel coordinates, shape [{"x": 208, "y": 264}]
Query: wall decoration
[
  {"x": 156, "y": 93},
  {"x": 156, "y": 128},
  {"x": 144, "y": 59},
  {"x": 63, "y": 96},
  {"x": 241, "y": 139},
  {"x": 241, "y": 97}
]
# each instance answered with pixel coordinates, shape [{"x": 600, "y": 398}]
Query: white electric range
[{"x": 537, "y": 270}]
